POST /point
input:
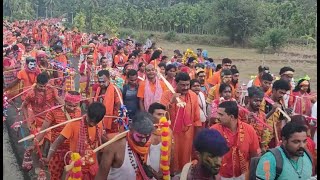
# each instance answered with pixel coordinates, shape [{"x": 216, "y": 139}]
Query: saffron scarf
[
  {"x": 237, "y": 155},
  {"x": 81, "y": 147},
  {"x": 84, "y": 146},
  {"x": 257, "y": 82},
  {"x": 108, "y": 101},
  {"x": 142, "y": 152},
  {"x": 183, "y": 115},
  {"x": 151, "y": 97}
]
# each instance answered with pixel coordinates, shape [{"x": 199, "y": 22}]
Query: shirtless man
[{"x": 126, "y": 158}]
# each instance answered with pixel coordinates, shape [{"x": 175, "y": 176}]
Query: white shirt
[{"x": 202, "y": 104}]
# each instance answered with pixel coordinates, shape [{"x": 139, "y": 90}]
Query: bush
[
  {"x": 273, "y": 38},
  {"x": 170, "y": 36},
  {"x": 277, "y": 38},
  {"x": 260, "y": 42},
  {"x": 142, "y": 37},
  {"x": 124, "y": 33}
]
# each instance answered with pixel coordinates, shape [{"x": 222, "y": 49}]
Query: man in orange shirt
[
  {"x": 56, "y": 116},
  {"x": 286, "y": 73},
  {"x": 120, "y": 58},
  {"x": 242, "y": 141},
  {"x": 84, "y": 136},
  {"x": 185, "y": 121},
  {"x": 216, "y": 78},
  {"x": 106, "y": 93},
  {"x": 213, "y": 93},
  {"x": 60, "y": 56},
  {"x": 151, "y": 89},
  {"x": 27, "y": 75},
  {"x": 258, "y": 80}
]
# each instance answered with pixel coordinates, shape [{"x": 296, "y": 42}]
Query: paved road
[
  {"x": 12, "y": 151},
  {"x": 11, "y": 169}
]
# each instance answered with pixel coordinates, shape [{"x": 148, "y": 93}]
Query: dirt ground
[{"x": 302, "y": 59}]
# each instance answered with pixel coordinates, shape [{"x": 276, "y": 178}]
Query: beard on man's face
[{"x": 235, "y": 81}]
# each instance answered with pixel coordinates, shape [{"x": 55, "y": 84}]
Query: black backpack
[{"x": 279, "y": 163}]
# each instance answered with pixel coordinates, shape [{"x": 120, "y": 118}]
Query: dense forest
[{"x": 239, "y": 20}]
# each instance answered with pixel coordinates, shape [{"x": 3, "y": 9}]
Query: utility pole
[{"x": 46, "y": 12}]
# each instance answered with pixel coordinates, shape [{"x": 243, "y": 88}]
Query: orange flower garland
[
  {"x": 164, "y": 153},
  {"x": 75, "y": 173}
]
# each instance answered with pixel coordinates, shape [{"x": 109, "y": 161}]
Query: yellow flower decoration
[
  {"x": 164, "y": 154},
  {"x": 189, "y": 53}
]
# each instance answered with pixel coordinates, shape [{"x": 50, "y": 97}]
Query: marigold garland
[
  {"x": 164, "y": 157},
  {"x": 189, "y": 53},
  {"x": 75, "y": 173}
]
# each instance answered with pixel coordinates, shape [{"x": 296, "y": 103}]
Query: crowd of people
[{"x": 162, "y": 117}]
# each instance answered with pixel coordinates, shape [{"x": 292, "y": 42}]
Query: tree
[
  {"x": 237, "y": 18},
  {"x": 80, "y": 21},
  {"x": 103, "y": 24}
]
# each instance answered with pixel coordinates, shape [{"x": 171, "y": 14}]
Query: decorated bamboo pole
[
  {"x": 255, "y": 117},
  {"x": 31, "y": 136},
  {"x": 283, "y": 113},
  {"x": 180, "y": 103}
]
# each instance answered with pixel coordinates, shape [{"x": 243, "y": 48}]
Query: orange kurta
[
  {"x": 215, "y": 79},
  {"x": 28, "y": 79},
  {"x": 120, "y": 59},
  {"x": 248, "y": 147},
  {"x": 62, "y": 58},
  {"x": 183, "y": 140},
  {"x": 214, "y": 93},
  {"x": 111, "y": 100},
  {"x": 71, "y": 132}
]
